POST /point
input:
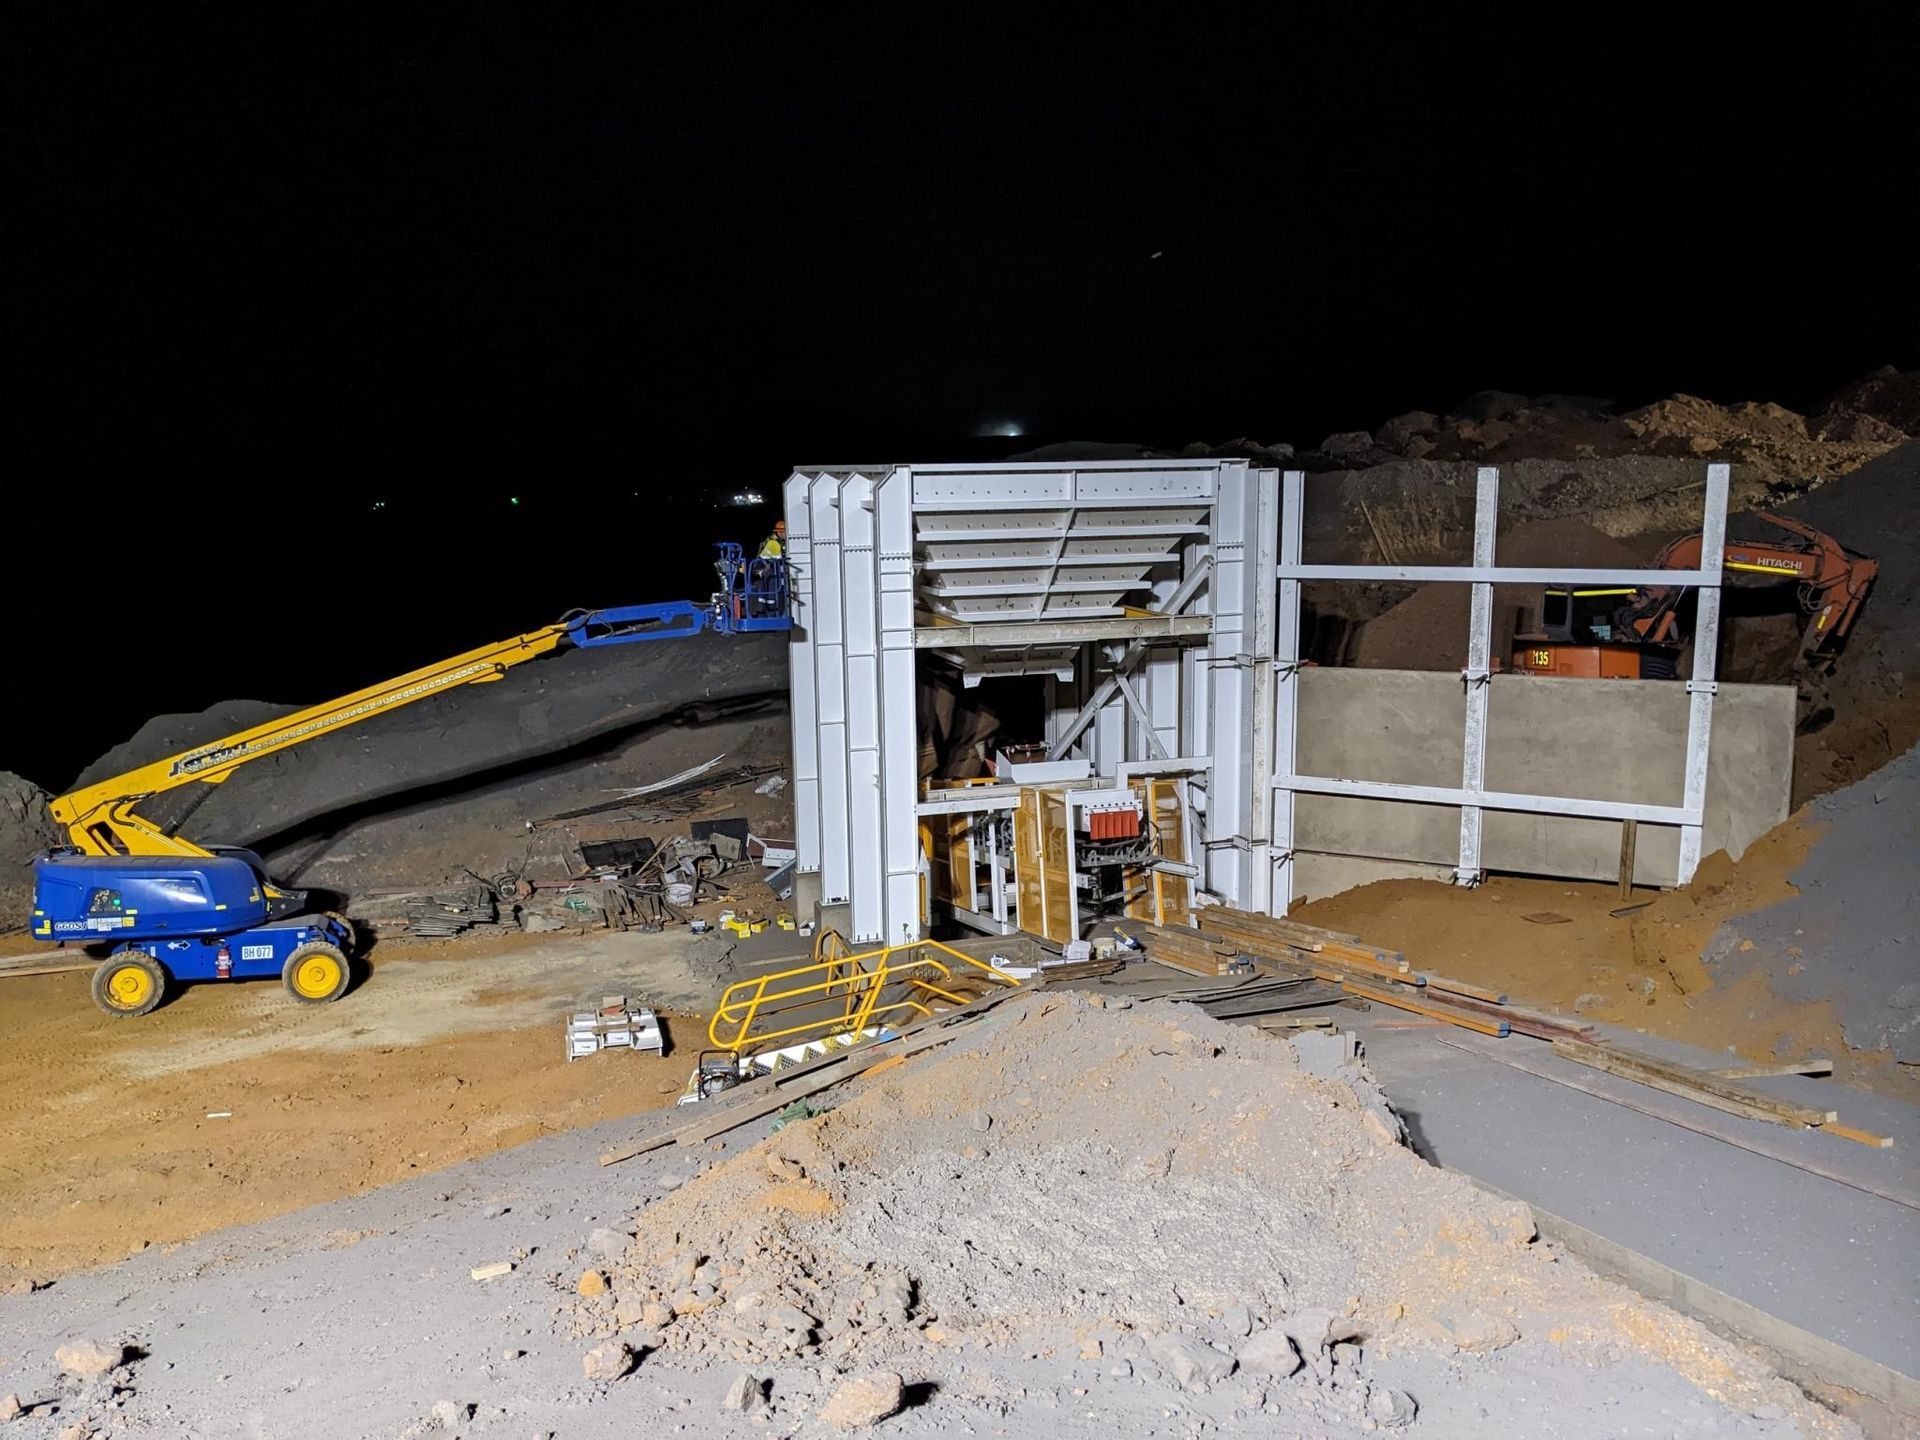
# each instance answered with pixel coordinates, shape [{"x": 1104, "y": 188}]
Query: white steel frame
[
  {"x": 1150, "y": 576},
  {"x": 1471, "y": 795}
]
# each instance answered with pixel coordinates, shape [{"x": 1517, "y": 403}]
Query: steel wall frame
[{"x": 1471, "y": 796}]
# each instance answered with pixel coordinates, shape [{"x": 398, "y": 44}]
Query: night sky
[{"x": 292, "y": 314}]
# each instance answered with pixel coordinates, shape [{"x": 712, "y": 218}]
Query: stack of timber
[
  {"x": 1361, "y": 970},
  {"x": 1180, "y": 948},
  {"x": 1367, "y": 972}
]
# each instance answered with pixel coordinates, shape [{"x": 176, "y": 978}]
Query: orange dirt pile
[
  {"x": 112, "y": 1137},
  {"x": 1641, "y": 969}
]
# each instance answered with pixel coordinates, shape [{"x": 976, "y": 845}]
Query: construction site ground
[
  {"x": 360, "y": 1315},
  {"x": 232, "y": 1103}
]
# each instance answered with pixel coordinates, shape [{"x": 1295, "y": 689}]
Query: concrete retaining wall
[{"x": 1594, "y": 739}]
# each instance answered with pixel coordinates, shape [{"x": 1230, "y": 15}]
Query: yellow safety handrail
[{"x": 861, "y": 979}]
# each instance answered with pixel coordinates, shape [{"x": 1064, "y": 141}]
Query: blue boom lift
[{"x": 167, "y": 910}]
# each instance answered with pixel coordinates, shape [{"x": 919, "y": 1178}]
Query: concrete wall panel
[{"x": 1607, "y": 740}]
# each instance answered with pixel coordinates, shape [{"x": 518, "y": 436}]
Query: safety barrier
[{"x": 860, "y": 983}]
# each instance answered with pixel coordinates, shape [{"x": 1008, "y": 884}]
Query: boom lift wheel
[
  {"x": 128, "y": 984},
  {"x": 316, "y": 973}
]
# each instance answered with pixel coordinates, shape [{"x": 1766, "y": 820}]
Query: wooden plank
[
  {"x": 1629, "y": 840},
  {"x": 1527, "y": 1058},
  {"x": 1691, "y": 1084},
  {"x": 1755, "y": 1072},
  {"x": 1461, "y": 987},
  {"x": 1527, "y": 1022},
  {"x": 1403, "y": 1000},
  {"x": 1864, "y": 1137},
  {"x": 1293, "y": 1022},
  {"x": 1331, "y": 961},
  {"x": 1279, "y": 925},
  {"x": 1265, "y": 932}
]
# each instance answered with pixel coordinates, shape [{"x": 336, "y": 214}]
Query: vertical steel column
[
  {"x": 803, "y": 709},
  {"x": 1286, "y": 652},
  {"x": 899, "y": 705},
  {"x": 1228, "y": 645},
  {"x": 830, "y": 687},
  {"x": 1706, "y": 652},
  {"x": 860, "y": 609},
  {"x": 1263, "y": 558},
  {"x": 1478, "y": 674}
]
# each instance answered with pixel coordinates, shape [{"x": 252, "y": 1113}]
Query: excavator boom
[{"x": 1641, "y": 637}]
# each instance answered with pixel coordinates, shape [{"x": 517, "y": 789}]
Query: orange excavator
[{"x": 1634, "y": 634}]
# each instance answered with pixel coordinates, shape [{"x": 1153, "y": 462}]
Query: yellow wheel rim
[
  {"x": 316, "y": 976},
  {"x": 129, "y": 987}
]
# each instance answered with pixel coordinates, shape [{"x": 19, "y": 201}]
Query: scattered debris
[
  {"x": 614, "y": 1026},
  {"x": 491, "y": 1272}
]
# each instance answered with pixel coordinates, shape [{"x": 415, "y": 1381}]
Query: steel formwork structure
[
  {"x": 1138, "y": 593},
  {"x": 1158, "y": 603}
]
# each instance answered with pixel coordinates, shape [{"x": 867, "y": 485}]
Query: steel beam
[
  {"x": 1706, "y": 650},
  {"x": 899, "y": 704},
  {"x": 1479, "y": 671},
  {"x": 1286, "y": 710},
  {"x": 1501, "y": 575},
  {"x": 1056, "y": 632},
  {"x": 803, "y": 704},
  {"x": 1491, "y": 799}
]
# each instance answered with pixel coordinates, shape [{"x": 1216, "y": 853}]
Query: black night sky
[{"x": 294, "y": 309}]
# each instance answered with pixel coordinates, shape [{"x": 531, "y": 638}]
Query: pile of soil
[
  {"x": 26, "y": 829},
  {"x": 1242, "y": 1235},
  {"x": 1872, "y": 692},
  {"x": 1851, "y": 935},
  {"x": 1662, "y": 966}
]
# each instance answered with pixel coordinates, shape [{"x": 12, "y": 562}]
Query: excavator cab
[{"x": 1591, "y": 634}]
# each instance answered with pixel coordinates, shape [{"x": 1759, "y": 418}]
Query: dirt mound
[
  {"x": 1888, "y": 397},
  {"x": 1771, "y": 447},
  {"x": 25, "y": 830},
  {"x": 1851, "y": 936},
  {"x": 1643, "y": 968},
  {"x": 1872, "y": 691},
  {"x": 411, "y": 796},
  {"x": 1180, "y": 1200}
]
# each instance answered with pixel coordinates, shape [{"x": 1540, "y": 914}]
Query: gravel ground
[{"x": 360, "y": 1318}]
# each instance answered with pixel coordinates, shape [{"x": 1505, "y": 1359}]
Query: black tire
[
  {"x": 305, "y": 968},
  {"x": 129, "y": 984}
]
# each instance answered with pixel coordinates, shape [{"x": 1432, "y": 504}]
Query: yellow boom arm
[{"x": 99, "y": 819}]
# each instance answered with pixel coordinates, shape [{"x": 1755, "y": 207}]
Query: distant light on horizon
[{"x": 1007, "y": 428}]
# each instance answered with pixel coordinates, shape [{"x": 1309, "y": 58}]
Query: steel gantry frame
[
  {"x": 1483, "y": 574},
  {"x": 1135, "y": 592}
]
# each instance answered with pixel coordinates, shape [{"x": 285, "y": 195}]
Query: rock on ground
[
  {"x": 87, "y": 1357},
  {"x": 864, "y": 1400},
  {"x": 606, "y": 1363}
]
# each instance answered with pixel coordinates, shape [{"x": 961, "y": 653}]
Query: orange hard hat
[{"x": 779, "y": 527}]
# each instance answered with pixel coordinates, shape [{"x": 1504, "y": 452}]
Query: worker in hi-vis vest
[{"x": 774, "y": 547}]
